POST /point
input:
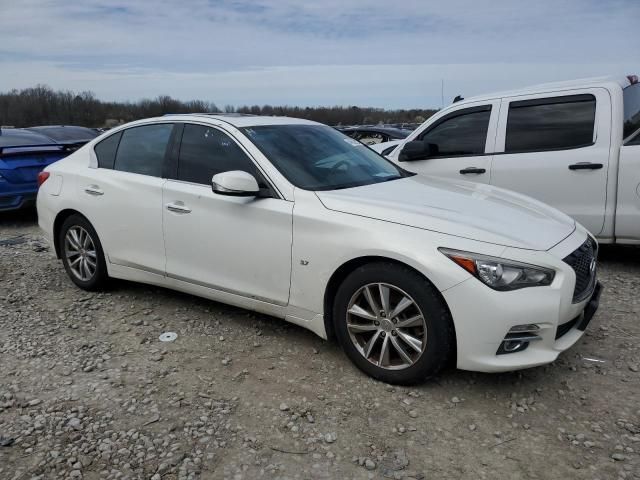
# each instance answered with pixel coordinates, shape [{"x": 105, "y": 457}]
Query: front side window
[
  {"x": 206, "y": 151},
  {"x": 550, "y": 124},
  {"x": 317, "y": 157},
  {"x": 463, "y": 132},
  {"x": 106, "y": 150},
  {"x": 631, "y": 98},
  {"x": 142, "y": 149}
]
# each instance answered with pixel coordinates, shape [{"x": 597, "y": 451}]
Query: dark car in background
[
  {"x": 71, "y": 136},
  {"x": 370, "y": 135},
  {"x": 24, "y": 152}
]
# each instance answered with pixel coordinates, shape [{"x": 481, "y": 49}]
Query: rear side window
[
  {"x": 106, "y": 150},
  {"x": 142, "y": 149},
  {"x": 206, "y": 151},
  {"x": 463, "y": 132},
  {"x": 631, "y": 98},
  {"x": 556, "y": 123}
]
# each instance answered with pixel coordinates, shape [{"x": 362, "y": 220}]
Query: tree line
[{"x": 42, "y": 105}]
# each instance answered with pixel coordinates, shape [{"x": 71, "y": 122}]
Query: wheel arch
[
  {"x": 349, "y": 266},
  {"x": 57, "y": 225}
]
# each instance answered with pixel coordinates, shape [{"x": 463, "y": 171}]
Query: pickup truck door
[
  {"x": 463, "y": 138},
  {"x": 555, "y": 147},
  {"x": 628, "y": 198}
]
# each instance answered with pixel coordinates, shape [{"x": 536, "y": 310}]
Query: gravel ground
[{"x": 88, "y": 391}]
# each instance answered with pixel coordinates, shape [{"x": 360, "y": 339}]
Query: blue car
[{"x": 23, "y": 155}]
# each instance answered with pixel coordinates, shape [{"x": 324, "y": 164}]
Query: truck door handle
[
  {"x": 466, "y": 171},
  {"x": 585, "y": 166},
  {"x": 178, "y": 207},
  {"x": 93, "y": 190}
]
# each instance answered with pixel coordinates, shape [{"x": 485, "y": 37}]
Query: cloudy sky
[{"x": 312, "y": 52}]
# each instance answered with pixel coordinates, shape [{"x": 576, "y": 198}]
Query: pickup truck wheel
[
  {"x": 82, "y": 254},
  {"x": 392, "y": 324}
]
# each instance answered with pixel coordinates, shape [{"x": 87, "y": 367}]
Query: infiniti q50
[{"x": 294, "y": 219}]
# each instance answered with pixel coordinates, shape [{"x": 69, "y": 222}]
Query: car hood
[{"x": 464, "y": 209}]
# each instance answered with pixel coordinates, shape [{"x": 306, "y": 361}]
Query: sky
[{"x": 378, "y": 53}]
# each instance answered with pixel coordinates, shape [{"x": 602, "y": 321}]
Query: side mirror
[
  {"x": 235, "y": 183},
  {"x": 418, "y": 150}
]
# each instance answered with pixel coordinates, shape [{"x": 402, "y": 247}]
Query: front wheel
[
  {"x": 82, "y": 254},
  {"x": 393, "y": 324}
]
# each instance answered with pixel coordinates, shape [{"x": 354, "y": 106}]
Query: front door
[
  {"x": 461, "y": 142},
  {"x": 237, "y": 245}
]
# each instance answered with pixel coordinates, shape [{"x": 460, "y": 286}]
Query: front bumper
[{"x": 483, "y": 317}]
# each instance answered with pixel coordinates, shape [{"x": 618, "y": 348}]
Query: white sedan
[{"x": 293, "y": 219}]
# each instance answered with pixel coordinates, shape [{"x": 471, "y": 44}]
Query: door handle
[
  {"x": 178, "y": 207},
  {"x": 468, "y": 170},
  {"x": 585, "y": 166},
  {"x": 93, "y": 190}
]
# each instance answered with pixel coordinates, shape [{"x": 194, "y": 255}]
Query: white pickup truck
[{"x": 574, "y": 145}]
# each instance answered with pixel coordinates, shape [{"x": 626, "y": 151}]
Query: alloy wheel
[
  {"x": 80, "y": 252},
  {"x": 386, "y": 326}
]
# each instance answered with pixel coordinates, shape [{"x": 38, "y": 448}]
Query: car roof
[
  {"x": 66, "y": 133},
  {"x": 18, "y": 137},
  {"x": 606, "y": 81},
  {"x": 239, "y": 120}
]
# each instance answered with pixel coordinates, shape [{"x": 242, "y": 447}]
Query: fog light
[
  {"x": 518, "y": 338},
  {"x": 513, "y": 345}
]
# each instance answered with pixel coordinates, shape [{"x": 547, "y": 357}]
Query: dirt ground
[{"x": 88, "y": 391}]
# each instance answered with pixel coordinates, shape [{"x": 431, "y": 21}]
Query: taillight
[{"x": 42, "y": 177}]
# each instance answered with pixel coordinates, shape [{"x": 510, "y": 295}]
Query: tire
[
  {"x": 432, "y": 337},
  {"x": 94, "y": 277}
]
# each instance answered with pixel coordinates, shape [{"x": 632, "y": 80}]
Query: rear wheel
[
  {"x": 392, "y": 323},
  {"x": 82, "y": 254}
]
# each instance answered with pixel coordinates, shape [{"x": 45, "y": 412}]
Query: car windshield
[{"x": 317, "y": 157}]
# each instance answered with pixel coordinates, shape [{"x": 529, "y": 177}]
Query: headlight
[{"x": 501, "y": 274}]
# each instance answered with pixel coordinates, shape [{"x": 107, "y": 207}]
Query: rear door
[
  {"x": 123, "y": 196},
  {"x": 555, "y": 148},
  {"x": 463, "y": 138}
]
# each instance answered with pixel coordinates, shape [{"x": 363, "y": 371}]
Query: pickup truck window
[
  {"x": 631, "y": 97},
  {"x": 463, "y": 132},
  {"x": 556, "y": 123}
]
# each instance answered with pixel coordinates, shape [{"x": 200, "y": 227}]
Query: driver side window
[
  {"x": 206, "y": 151},
  {"x": 463, "y": 132}
]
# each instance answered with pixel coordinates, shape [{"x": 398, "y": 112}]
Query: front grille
[{"x": 582, "y": 261}]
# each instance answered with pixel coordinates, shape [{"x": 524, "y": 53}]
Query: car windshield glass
[
  {"x": 317, "y": 157},
  {"x": 631, "y": 96}
]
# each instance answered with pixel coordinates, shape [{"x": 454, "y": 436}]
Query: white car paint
[
  {"x": 606, "y": 201},
  {"x": 277, "y": 255}
]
